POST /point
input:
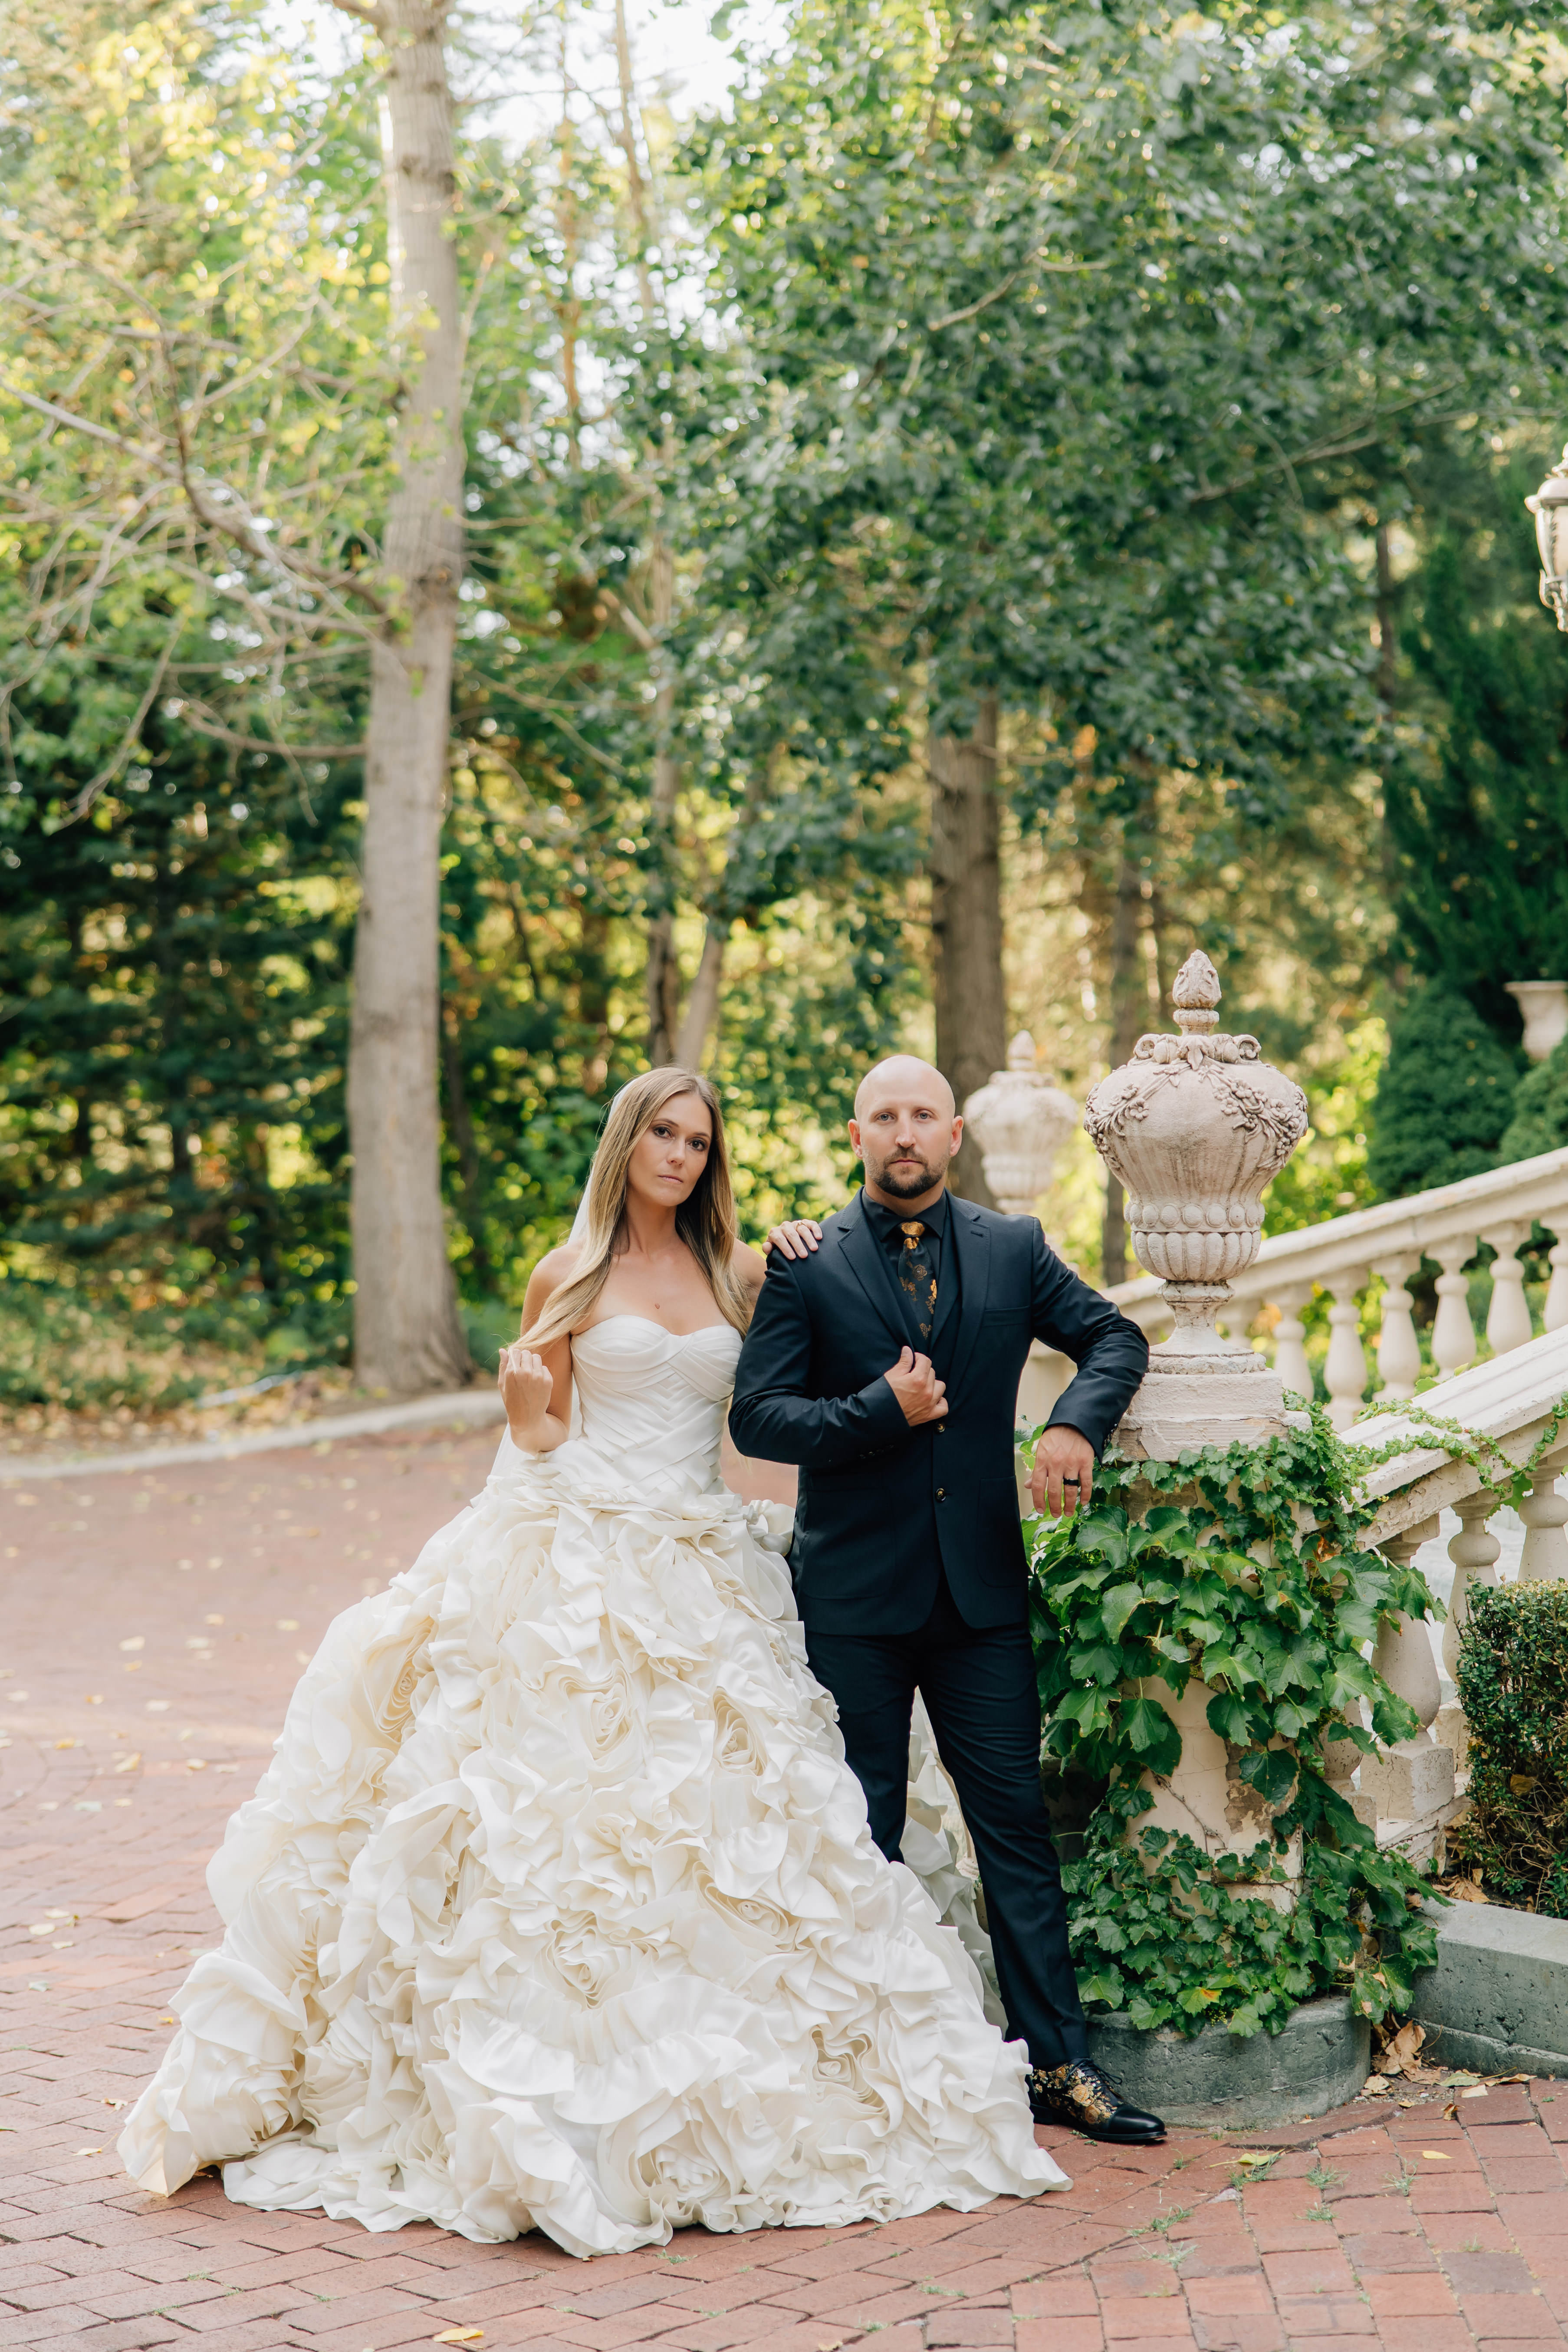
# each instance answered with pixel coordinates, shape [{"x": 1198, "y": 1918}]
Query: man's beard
[{"x": 904, "y": 1184}]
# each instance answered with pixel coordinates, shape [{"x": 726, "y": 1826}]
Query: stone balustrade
[
  {"x": 1411, "y": 1793},
  {"x": 1341, "y": 1256}
]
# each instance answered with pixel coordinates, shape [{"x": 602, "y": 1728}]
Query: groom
[{"x": 886, "y": 1365}]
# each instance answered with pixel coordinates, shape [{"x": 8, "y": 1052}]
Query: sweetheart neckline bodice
[{"x": 653, "y": 1325}]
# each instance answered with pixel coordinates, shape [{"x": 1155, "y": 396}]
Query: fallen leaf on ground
[
  {"x": 291, "y": 1625},
  {"x": 68, "y": 1743},
  {"x": 1401, "y": 2054},
  {"x": 88, "y": 2151},
  {"x": 1253, "y": 2155},
  {"x": 1463, "y": 1890},
  {"x": 136, "y": 1641},
  {"x": 115, "y": 2104},
  {"x": 1436, "y": 2156},
  {"x": 128, "y": 1763},
  {"x": 1375, "y": 2085},
  {"x": 459, "y": 2336}
]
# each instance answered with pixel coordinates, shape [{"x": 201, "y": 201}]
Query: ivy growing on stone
[{"x": 1248, "y": 1568}]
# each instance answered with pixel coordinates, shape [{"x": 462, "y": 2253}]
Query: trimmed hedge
[
  {"x": 1513, "y": 1685},
  {"x": 1443, "y": 1100},
  {"x": 1540, "y": 1119}
]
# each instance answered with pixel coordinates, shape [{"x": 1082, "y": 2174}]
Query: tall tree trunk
[
  {"x": 1128, "y": 1017},
  {"x": 1387, "y": 596},
  {"x": 466, "y": 1144},
  {"x": 966, "y": 922},
  {"x": 663, "y": 983},
  {"x": 702, "y": 1004},
  {"x": 407, "y": 1337}
]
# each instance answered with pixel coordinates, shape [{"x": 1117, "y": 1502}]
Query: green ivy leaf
[
  {"x": 1148, "y": 1729},
  {"x": 1117, "y": 1607},
  {"x": 1227, "y": 1715},
  {"x": 1271, "y": 1772}
]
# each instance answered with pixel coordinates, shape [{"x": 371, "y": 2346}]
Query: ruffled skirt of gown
[{"x": 557, "y": 1909}]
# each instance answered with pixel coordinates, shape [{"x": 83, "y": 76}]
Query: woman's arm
[{"x": 536, "y": 1384}]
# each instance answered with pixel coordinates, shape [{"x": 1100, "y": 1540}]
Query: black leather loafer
[{"x": 1079, "y": 2096}]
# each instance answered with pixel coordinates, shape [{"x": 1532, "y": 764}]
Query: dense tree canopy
[{"x": 935, "y": 526}]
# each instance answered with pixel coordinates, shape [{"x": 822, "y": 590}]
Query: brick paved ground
[{"x": 153, "y": 1627}]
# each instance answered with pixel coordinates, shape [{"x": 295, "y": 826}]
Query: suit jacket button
[{"x": 941, "y": 1494}]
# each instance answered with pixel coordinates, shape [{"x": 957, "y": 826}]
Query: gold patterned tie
[{"x": 917, "y": 1276}]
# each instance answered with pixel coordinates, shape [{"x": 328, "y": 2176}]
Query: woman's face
[{"x": 669, "y": 1156}]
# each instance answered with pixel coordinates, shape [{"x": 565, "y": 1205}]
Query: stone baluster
[
  {"x": 1453, "y": 1333},
  {"x": 1474, "y": 1553},
  {"x": 1289, "y": 1341},
  {"x": 1508, "y": 1318},
  {"x": 1344, "y": 1373},
  {"x": 1403, "y": 1655},
  {"x": 1398, "y": 1348},
  {"x": 1410, "y": 1784},
  {"x": 1555, "y": 1312},
  {"x": 1545, "y": 1557}
]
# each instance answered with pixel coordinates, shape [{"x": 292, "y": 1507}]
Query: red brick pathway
[{"x": 153, "y": 1625}]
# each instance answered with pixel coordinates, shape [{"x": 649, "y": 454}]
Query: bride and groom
[{"x": 571, "y": 1900}]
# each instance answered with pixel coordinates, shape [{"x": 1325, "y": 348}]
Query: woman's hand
[
  {"x": 797, "y": 1237},
  {"x": 526, "y": 1388}
]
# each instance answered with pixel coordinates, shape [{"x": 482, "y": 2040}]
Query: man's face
[{"x": 906, "y": 1133}]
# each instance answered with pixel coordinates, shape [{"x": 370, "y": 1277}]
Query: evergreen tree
[
  {"x": 1481, "y": 835},
  {"x": 1443, "y": 1100},
  {"x": 1540, "y": 1121},
  {"x": 173, "y": 974}
]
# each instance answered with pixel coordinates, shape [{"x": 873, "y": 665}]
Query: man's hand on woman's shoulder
[{"x": 796, "y": 1237}]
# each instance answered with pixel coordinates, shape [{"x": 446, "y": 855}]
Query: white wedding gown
[{"x": 557, "y": 1907}]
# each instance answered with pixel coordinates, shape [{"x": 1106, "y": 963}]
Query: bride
[{"x": 557, "y": 1907}]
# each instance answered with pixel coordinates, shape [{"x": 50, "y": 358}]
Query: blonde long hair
[{"x": 705, "y": 1219}]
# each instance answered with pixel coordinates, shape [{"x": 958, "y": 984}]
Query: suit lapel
[
  {"x": 970, "y": 1241},
  {"x": 871, "y": 1270}
]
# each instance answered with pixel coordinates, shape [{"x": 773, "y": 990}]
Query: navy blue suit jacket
[{"x": 883, "y": 1506}]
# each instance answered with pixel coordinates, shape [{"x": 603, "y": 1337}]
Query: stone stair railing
[
  {"x": 1342, "y": 1255},
  {"x": 1411, "y": 1793}
]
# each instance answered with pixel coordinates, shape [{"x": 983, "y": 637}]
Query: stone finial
[
  {"x": 1020, "y": 1121},
  {"x": 1195, "y": 995}
]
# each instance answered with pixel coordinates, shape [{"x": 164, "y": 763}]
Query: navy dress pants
[{"x": 978, "y": 1683}]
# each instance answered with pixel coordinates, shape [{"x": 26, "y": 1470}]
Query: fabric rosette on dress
[{"x": 557, "y": 1907}]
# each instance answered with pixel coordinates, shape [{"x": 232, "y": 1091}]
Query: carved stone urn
[
  {"x": 1194, "y": 1127},
  {"x": 1020, "y": 1122},
  {"x": 1543, "y": 1004}
]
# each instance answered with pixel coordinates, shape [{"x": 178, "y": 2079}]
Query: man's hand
[
  {"x": 526, "y": 1388},
  {"x": 797, "y": 1237},
  {"x": 1062, "y": 1479},
  {"x": 922, "y": 1396}
]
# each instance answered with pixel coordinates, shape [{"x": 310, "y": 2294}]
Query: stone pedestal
[
  {"x": 1194, "y": 1127},
  {"x": 1206, "y": 1799}
]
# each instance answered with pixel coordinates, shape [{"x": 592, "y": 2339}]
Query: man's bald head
[
  {"x": 904, "y": 1075},
  {"x": 905, "y": 1129}
]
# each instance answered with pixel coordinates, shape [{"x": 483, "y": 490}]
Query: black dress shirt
[{"x": 909, "y": 1264}]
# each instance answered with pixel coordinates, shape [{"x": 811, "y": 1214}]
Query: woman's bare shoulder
[
  {"x": 749, "y": 1266},
  {"x": 556, "y": 1266}
]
